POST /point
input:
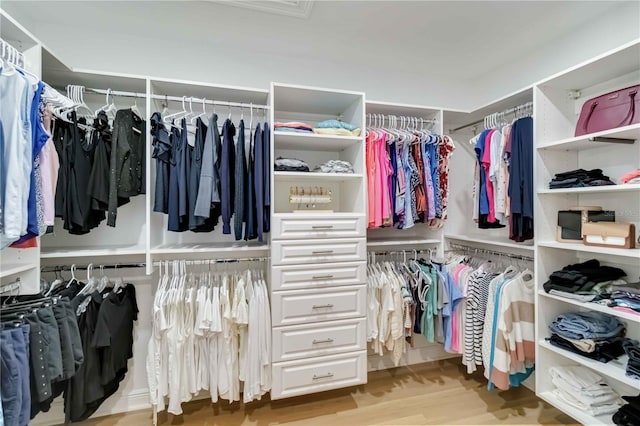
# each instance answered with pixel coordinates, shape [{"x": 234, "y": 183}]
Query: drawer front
[
  {"x": 292, "y": 228},
  {"x": 319, "y": 339},
  {"x": 305, "y": 306},
  {"x": 319, "y": 251},
  {"x": 318, "y": 374},
  {"x": 318, "y": 276}
]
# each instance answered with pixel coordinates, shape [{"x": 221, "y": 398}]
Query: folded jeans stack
[
  {"x": 631, "y": 177},
  {"x": 585, "y": 390},
  {"x": 290, "y": 165},
  {"x": 632, "y": 350},
  {"x": 292, "y": 127},
  {"x": 335, "y": 166},
  {"x": 628, "y": 414},
  {"x": 586, "y": 280},
  {"x": 336, "y": 127},
  {"x": 594, "y": 335},
  {"x": 580, "y": 178}
]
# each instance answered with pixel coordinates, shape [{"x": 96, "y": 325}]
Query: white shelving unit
[
  {"x": 557, "y": 150},
  {"x": 318, "y": 262}
]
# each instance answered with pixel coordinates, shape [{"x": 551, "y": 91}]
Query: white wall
[
  {"x": 141, "y": 39},
  {"x": 609, "y": 31}
]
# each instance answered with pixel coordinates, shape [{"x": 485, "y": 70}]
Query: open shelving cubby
[{"x": 557, "y": 102}]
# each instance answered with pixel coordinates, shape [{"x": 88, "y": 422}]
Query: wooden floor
[{"x": 427, "y": 394}]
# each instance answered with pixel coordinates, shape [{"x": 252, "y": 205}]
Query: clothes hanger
[
  {"x": 134, "y": 107},
  {"x": 167, "y": 119}
]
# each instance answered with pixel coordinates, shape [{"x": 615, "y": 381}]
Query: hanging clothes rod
[
  {"x": 190, "y": 262},
  {"x": 393, "y": 252},
  {"x": 513, "y": 110},
  {"x": 63, "y": 268},
  {"x": 12, "y": 286},
  {"x": 168, "y": 98},
  {"x": 477, "y": 250}
]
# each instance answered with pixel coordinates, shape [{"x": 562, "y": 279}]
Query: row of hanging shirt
[
  {"x": 503, "y": 178},
  {"x": 493, "y": 325},
  {"x": 407, "y": 174},
  {"x": 210, "y": 331},
  {"x": 406, "y": 298},
  {"x": 78, "y": 339},
  {"x": 29, "y": 163},
  {"x": 207, "y": 175}
]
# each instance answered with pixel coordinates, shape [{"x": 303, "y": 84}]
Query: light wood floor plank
[{"x": 427, "y": 394}]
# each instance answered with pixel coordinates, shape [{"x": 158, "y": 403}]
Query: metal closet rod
[
  {"x": 506, "y": 111},
  {"x": 392, "y": 252},
  {"x": 95, "y": 266},
  {"x": 412, "y": 117},
  {"x": 462, "y": 247},
  {"x": 211, "y": 261},
  {"x": 175, "y": 98}
]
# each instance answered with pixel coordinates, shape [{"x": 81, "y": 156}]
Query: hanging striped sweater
[{"x": 515, "y": 339}]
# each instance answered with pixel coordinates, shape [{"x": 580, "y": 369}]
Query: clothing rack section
[
  {"x": 91, "y": 266},
  {"x": 407, "y": 173},
  {"x": 493, "y": 303},
  {"x": 491, "y": 120},
  {"x": 221, "y": 323},
  {"x": 481, "y": 251},
  {"x": 207, "y": 262}
]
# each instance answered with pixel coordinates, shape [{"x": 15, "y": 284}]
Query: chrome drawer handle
[
  {"x": 328, "y": 305},
  {"x": 322, "y": 277},
  {"x": 326, "y": 376},
  {"x": 322, "y": 252},
  {"x": 322, "y": 227},
  {"x": 316, "y": 342}
]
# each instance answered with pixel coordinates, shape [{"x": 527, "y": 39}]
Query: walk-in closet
[{"x": 319, "y": 212}]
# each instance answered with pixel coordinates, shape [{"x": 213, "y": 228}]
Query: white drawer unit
[
  {"x": 305, "y": 306},
  {"x": 326, "y": 338},
  {"x": 318, "y": 276},
  {"x": 318, "y": 251},
  {"x": 294, "y": 227},
  {"x": 318, "y": 374}
]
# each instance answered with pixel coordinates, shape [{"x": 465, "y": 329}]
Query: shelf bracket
[{"x": 612, "y": 140}]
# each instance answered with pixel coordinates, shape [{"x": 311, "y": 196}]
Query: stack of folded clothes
[
  {"x": 632, "y": 350},
  {"x": 293, "y": 127},
  {"x": 628, "y": 414},
  {"x": 631, "y": 177},
  {"x": 580, "y": 178},
  {"x": 594, "y": 335},
  {"x": 290, "y": 165},
  {"x": 585, "y": 390},
  {"x": 336, "y": 127},
  {"x": 335, "y": 166},
  {"x": 622, "y": 298},
  {"x": 583, "y": 281}
]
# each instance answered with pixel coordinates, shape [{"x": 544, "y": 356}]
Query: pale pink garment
[{"x": 49, "y": 166}]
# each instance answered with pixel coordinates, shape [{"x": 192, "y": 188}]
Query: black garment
[
  {"x": 127, "y": 161},
  {"x": 258, "y": 155},
  {"x": 174, "y": 223},
  {"x": 251, "y": 229},
  {"x": 582, "y": 276},
  {"x": 100, "y": 170},
  {"x": 580, "y": 178},
  {"x": 184, "y": 170},
  {"x": 114, "y": 332},
  {"x": 266, "y": 173},
  {"x": 162, "y": 154},
  {"x": 227, "y": 175},
  {"x": 241, "y": 201},
  {"x": 629, "y": 414},
  {"x": 40, "y": 380},
  {"x": 605, "y": 351}
]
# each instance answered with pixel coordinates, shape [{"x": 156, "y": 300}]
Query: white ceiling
[{"x": 459, "y": 40}]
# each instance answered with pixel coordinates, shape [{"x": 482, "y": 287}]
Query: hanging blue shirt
[{"x": 483, "y": 198}]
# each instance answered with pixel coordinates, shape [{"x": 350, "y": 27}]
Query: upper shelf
[
  {"x": 312, "y": 176},
  {"x": 606, "y": 67},
  {"x": 631, "y": 253},
  {"x": 401, "y": 242},
  {"x": 491, "y": 241},
  {"x": 314, "y": 142},
  {"x": 593, "y": 189},
  {"x": 313, "y": 100},
  {"x": 15, "y": 34},
  {"x": 578, "y": 143}
]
